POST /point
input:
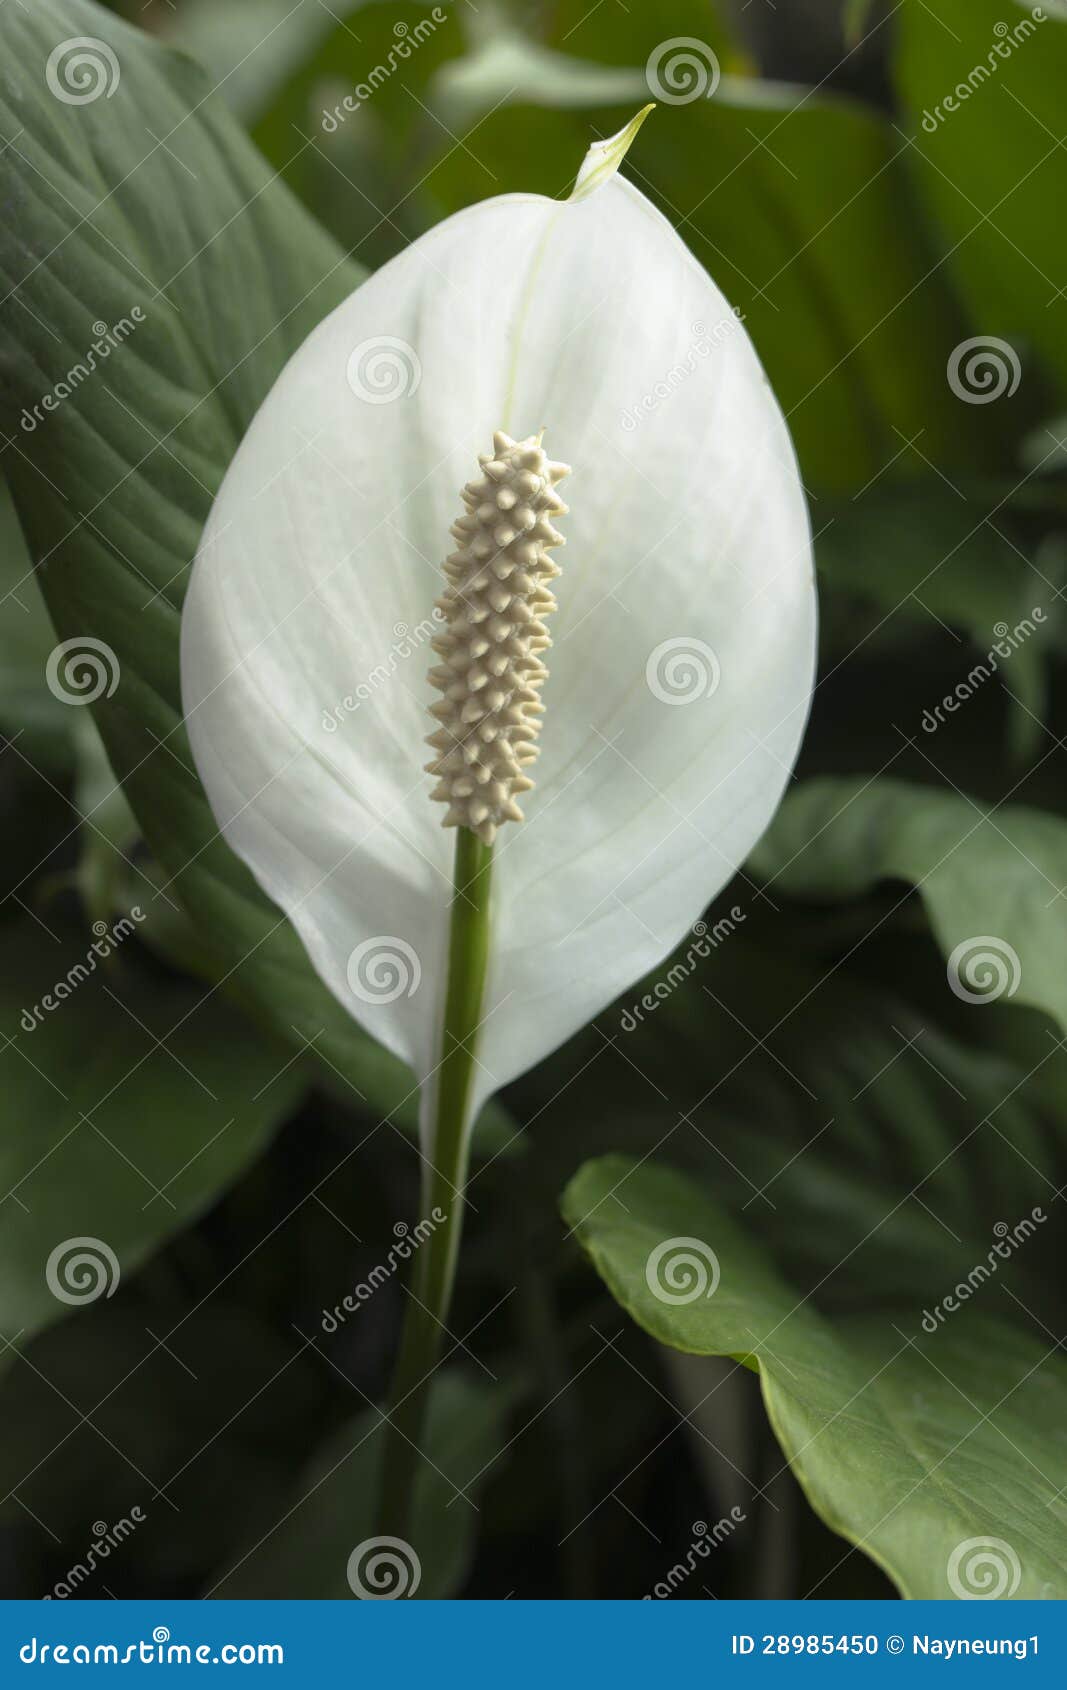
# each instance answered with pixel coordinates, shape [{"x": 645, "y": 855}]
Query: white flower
[{"x": 686, "y": 579}]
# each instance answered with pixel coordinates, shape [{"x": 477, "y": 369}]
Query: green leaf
[
  {"x": 991, "y": 880},
  {"x": 251, "y": 47},
  {"x": 989, "y": 169},
  {"x": 287, "y": 75},
  {"x": 932, "y": 555},
  {"x": 148, "y": 211},
  {"x": 52, "y": 737},
  {"x": 29, "y": 713},
  {"x": 911, "y": 1444},
  {"x": 131, "y": 1102},
  {"x": 803, "y": 1092},
  {"x": 796, "y": 204},
  {"x": 306, "y": 1552}
]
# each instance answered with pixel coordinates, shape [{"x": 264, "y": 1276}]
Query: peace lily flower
[{"x": 676, "y": 688}]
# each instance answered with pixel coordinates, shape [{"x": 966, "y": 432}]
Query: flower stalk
[{"x": 446, "y": 1140}]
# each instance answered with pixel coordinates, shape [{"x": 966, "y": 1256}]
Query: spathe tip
[{"x": 604, "y": 157}]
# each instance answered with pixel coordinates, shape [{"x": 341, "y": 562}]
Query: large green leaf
[
  {"x": 875, "y": 1159},
  {"x": 146, "y": 208},
  {"x": 324, "y": 1544},
  {"x": 801, "y": 1091},
  {"x": 991, "y": 878},
  {"x": 130, "y": 1102},
  {"x": 796, "y": 204},
  {"x": 913, "y": 1444},
  {"x": 29, "y": 712},
  {"x": 990, "y": 163}
]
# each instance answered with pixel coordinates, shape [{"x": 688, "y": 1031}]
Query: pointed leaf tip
[{"x": 604, "y": 157}]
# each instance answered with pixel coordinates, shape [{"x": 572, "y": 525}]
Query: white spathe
[{"x": 683, "y": 648}]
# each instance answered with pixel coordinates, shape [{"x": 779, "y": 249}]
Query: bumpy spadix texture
[
  {"x": 682, "y": 649},
  {"x": 491, "y": 669}
]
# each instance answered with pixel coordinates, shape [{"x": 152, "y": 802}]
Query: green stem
[{"x": 446, "y": 1118}]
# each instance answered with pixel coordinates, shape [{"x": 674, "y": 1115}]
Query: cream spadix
[
  {"x": 681, "y": 665},
  {"x": 491, "y": 670}
]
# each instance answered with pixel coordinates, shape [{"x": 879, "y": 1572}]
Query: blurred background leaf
[
  {"x": 307, "y": 1552},
  {"x": 186, "y": 1094},
  {"x": 986, "y": 162},
  {"x": 979, "y": 872}
]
